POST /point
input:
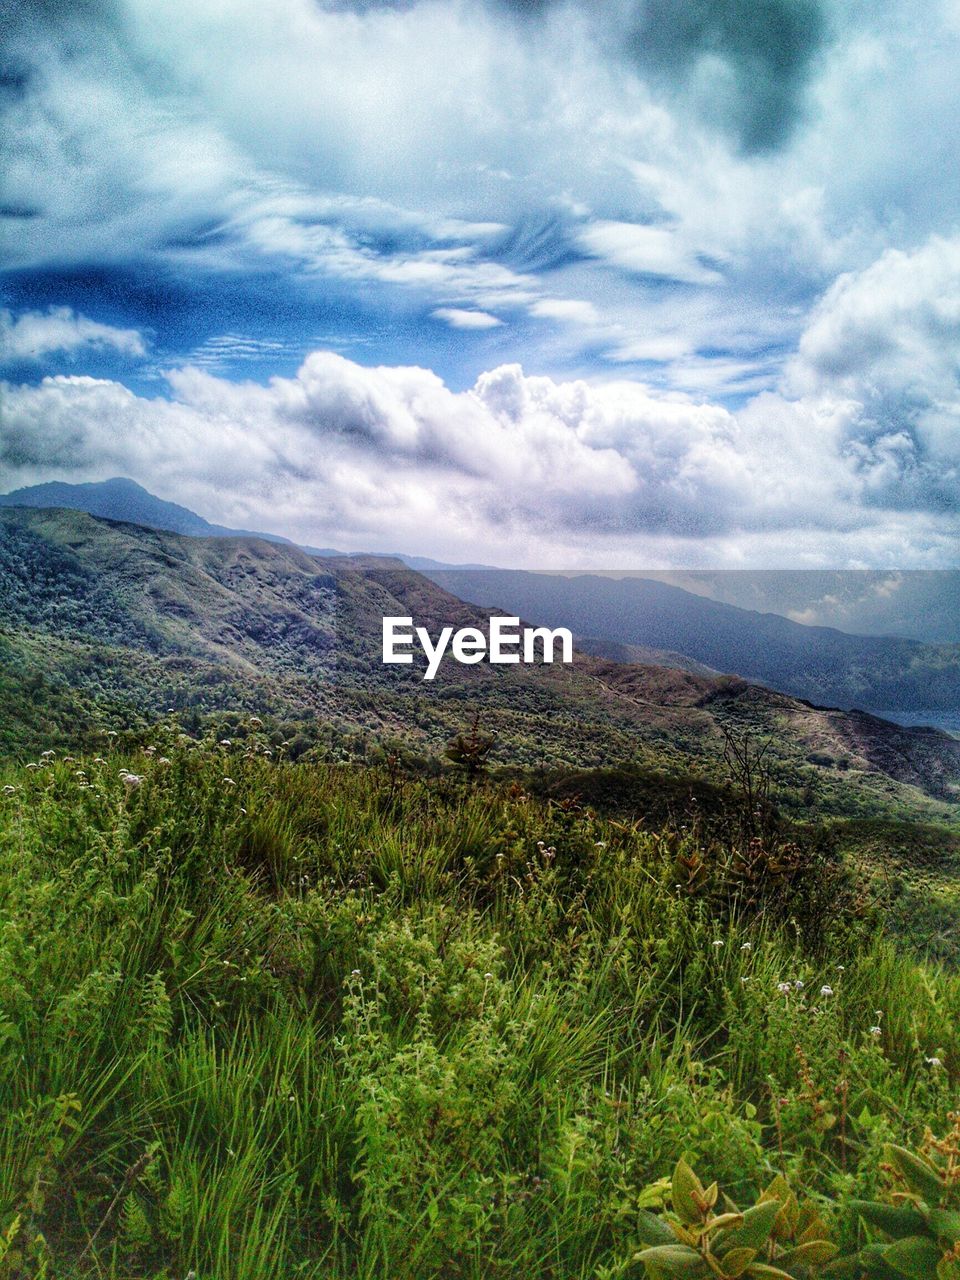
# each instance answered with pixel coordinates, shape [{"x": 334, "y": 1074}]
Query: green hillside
[
  {"x": 310, "y": 968},
  {"x": 106, "y": 623},
  {"x": 262, "y": 1020}
]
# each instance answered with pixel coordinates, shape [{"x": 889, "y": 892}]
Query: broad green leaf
[
  {"x": 687, "y": 1193},
  {"x": 896, "y": 1220},
  {"x": 755, "y": 1229},
  {"x": 915, "y": 1257},
  {"x": 737, "y": 1260},
  {"x": 674, "y": 1260},
  {"x": 813, "y": 1253},
  {"x": 919, "y": 1175},
  {"x": 945, "y": 1223},
  {"x": 652, "y": 1229}
]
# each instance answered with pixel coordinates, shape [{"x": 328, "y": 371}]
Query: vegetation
[{"x": 263, "y": 1018}]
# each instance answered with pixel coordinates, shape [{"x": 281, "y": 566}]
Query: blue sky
[{"x": 630, "y": 283}]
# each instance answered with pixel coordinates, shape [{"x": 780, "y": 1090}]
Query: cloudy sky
[{"x": 626, "y": 283}]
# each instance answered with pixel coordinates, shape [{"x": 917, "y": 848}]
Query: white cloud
[
  {"x": 646, "y": 250},
  {"x": 886, "y": 338},
  {"x": 535, "y": 470},
  {"x": 566, "y": 311},
  {"x": 457, "y": 318},
  {"x": 36, "y": 333}
]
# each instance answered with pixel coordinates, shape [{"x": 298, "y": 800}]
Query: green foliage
[
  {"x": 918, "y": 1222},
  {"x": 776, "y": 1236},
  {"x": 263, "y": 1019}
]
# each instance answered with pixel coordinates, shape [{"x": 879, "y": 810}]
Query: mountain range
[
  {"x": 106, "y": 625},
  {"x": 629, "y": 619}
]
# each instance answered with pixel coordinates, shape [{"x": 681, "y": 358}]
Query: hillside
[
  {"x": 107, "y": 625},
  {"x": 882, "y": 674},
  {"x": 639, "y": 619}
]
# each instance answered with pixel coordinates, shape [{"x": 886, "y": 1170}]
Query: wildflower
[
  {"x": 826, "y": 991},
  {"x": 46, "y": 755},
  {"x": 9, "y": 791},
  {"x": 798, "y": 985},
  {"x": 356, "y": 973},
  {"x": 111, "y": 733},
  {"x": 932, "y": 1062},
  {"x": 256, "y": 722},
  {"x": 150, "y": 751},
  {"x": 163, "y": 760},
  {"x": 487, "y": 977},
  {"x": 841, "y": 969},
  {"x": 599, "y": 844},
  {"x": 746, "y": 946},
  {"x": 33, "y": 765},
  {"x": 875, "y": 1031},
  {"x": 718, "y": 942},
  {"x": 744, "y": 978},
  {"x": 225, "y": 742},
  {"x": 784, "y": 988},
  {"x": 229, "y": 782},
  {"x": 99, "y": 760},
  {"x": 131, "y": 780}
]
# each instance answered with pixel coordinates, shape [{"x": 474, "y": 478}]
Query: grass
[{"x": 263, "y": 1019}]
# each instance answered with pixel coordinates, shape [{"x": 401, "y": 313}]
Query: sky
[{"x": 619, "y": 284}]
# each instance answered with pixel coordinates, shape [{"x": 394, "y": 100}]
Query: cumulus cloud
[
  {"x": 531, "y": 467},
  {"x": 32, "y": 334},
  {"x": 886, "y": 339}
]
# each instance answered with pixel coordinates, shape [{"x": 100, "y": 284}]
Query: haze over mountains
[{"x": 633, "y": 619}]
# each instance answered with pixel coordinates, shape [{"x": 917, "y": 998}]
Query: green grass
[{"x": 262, "y": 1019}]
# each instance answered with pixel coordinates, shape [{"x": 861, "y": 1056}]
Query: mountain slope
[
  {"x": 107, "y": 624},
  {"x": 632, "y": 619},
  {"x": 122, "y": 499},
  {"x": 882, "y": 674}
]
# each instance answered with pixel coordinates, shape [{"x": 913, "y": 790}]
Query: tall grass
[{"x": 263, "y": 1020}]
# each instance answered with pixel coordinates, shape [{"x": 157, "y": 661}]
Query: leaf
[
  {"x": 673, "y": 1260},
  {"x": 813, "y": 1253},
  {"x": 737, "y": 1260},
  {"x": 755, "y": 1229},
  {"x": 945, "y": 1223},
  {"x": 724, "y": 1221},
  {"x": 919, "y": 1175},
  {"x": 652, "y": 1230},
  {"x": 871, "y": 1260},
  {"x": 896, "y": 1220},
  {"x": 687, "y": 1193},
  {"x": 915, "y": 1257}
]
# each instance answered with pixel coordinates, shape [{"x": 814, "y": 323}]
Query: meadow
[{"x": 264, "y": 1019}]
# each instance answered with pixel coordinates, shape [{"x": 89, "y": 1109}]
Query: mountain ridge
[{"x": 107, "y": 624}]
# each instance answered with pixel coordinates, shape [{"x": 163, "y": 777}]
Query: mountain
[
  {"x": 105, "y": 625},
  {"x": 886, "y": 675},
  {"x": 123, "y": 499},
  {"x": 629, "y": 619}
]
